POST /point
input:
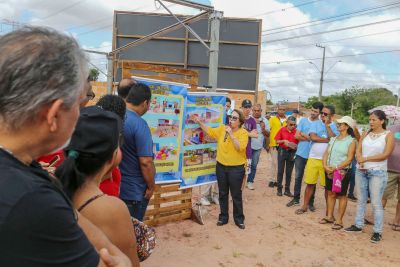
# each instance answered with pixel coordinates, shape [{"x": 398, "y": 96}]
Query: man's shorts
[
  {"x": 393, "y": 183},
  {"x": 314, "y": 169}
]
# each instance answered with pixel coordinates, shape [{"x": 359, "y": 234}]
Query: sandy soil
[{"x": 274, "y": 236}]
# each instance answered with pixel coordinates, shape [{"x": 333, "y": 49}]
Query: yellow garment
[
  {"x": 226, "y": 153},
  {"x": 314, "y": 169},
  {"x": 275, "y": 125}
]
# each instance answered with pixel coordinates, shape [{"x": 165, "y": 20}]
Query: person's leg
[
  {"x": 142, "y": 206},
  {"x": 289, "y": 170},
  {"x": 223, "y": 187},
  {"x": 300, "y": 164},
  {"x": 311, "y": 175},
  {"x": 281, "y": 168},
  {"x": 255, "y": 157},
  {"x": 235, "y": 177},
  {"x": 274, "y": 166},
  {"x": 362, "y": 194},
  {"x": 352, "y": 179},
  {"x": 396, "y": 221},
  {"x": 377, "y": 184},
  {"x": 390, "y": 187},
  {"x": 307, "y": 195},
  {"x": 342, "y": 209}
]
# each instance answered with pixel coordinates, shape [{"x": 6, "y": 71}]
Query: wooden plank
[
  {"x": 165, "y": 199},
  {"x": 172, "y": 218},
  {"x": 170, "y": 188},
  {"x": 183, "y": 206}
]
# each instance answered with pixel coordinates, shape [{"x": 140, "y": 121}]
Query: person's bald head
[{"x": 124, "y": 87}]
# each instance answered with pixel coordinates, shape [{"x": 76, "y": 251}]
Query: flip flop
[
  {"x": 396, "y": 227},
  {"x": 337, "y": 226},
  {"x": 326, "y": 221},
  {"x": 300, "y": 211}
]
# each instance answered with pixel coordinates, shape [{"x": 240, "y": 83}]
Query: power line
[
  {"x": 63, "y": 9},
  {"x": 330, "y": 31},
  {"x": 340, "y": 56},
  {"x": 284, "y": 9},
  {"x": 333, "y": 17},
  {"x": 331, "y": 41},
  {"x": 339, "y": 19}
]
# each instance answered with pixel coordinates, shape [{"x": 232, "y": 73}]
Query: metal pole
[
  {"x": 321, "y": 81},
  {"x": 109, "y": 74},
  {"x": 215, "y": 19}
]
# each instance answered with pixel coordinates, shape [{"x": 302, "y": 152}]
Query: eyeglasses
[
  {"x": 233, "y": 118},
  {"x": 292, "y": 124},
  {"x": 90, "y": 96},
  {"x": 325, "y": 114}
]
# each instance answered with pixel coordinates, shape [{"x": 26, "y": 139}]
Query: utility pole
[
  {"x": 321, "y": 81},
  {"x": 398, "y": 97},
  {"x": 215, "y": 19}
]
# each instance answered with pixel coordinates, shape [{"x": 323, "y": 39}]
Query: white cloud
[{"x": 298, "y": 78}]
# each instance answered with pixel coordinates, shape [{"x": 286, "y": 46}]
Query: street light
[{"x": 322, "y": 74}]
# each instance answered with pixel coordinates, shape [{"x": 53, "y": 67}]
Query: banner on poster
[
  {"x": 199, "y": 152},
  {"x": 165, "y": 120}
]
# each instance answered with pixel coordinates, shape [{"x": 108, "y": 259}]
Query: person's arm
[
  {"x": 301, "y": 136},
  {"x": 115, "y": 222},
  {"x": 350, "y": 156},
  {"x": 148, "y": 172},
  {"x": 239, "y": 143},
  {"x": 328, "y": 169},
  {"x": 253, "y": 133},
  {"x": 331, "y": 132},
  {"x": 359, "y": 148},
  {"x": 264, "y": 130},
  {"x": 389, "y": 147},
  {"x": 315, "y": 138},
  {"x": 100, "y": 241},
  {"x": 202, "y": 125}
]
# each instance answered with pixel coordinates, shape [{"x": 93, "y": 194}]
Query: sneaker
[
  {"x": 352, "y": 198},
  {"x": 215, "y": 199},
  {"x": 353, "y": 229},
  {"x": 250, "y": 186},
  {"x": 293, "y": 202},
  {"x": 376, "y": 237},
  {"x": 288, "y": 194},
  {"x": 271, "y": 184},
  {"x": 204, "y": 202}
]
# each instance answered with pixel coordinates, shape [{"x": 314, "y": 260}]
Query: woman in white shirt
[{"x": 374, "y": 148}]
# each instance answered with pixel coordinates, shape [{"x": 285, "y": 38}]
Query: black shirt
[{"x": 37, "y": 222}]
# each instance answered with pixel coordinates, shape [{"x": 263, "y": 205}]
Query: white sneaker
[
  {"x": 250, "y": 186},
  {"x": 215, "y": 200},
  {"x": 204, "y": 202}
]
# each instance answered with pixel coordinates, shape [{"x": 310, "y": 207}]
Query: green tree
[{"x": 93, "y": 74}]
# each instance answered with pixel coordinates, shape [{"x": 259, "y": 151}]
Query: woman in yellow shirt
[{"x": 231, "y": 159}]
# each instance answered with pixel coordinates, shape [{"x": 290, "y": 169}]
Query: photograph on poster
[
  {"x": 199, "y": 156},
  {"x": 196, "y": 136},
  {"x": 207, "y": 114},
  {"x": 165, "y": 104},
  {"x": 165, "y": 151}
]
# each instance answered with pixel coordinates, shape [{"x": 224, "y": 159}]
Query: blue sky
[{"x": 91, "y": 22}]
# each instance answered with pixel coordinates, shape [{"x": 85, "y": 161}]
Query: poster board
[
  {"x": 165, "y": 120},
  {"x": 199, "y": 151}
]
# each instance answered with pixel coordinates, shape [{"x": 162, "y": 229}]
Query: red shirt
[
  {"x": 111, "y": 186},
  {"x": 49, "y": 157},
  {"x": 284, "y": 134}
]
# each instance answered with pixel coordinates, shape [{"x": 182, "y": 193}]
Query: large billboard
[{"x": 239, "y": 48}]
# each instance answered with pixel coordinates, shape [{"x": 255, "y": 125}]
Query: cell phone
[{"x": 54, "y": 160}]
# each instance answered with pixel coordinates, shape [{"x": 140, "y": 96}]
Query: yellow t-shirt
[
  {"x": 226, "y": 153},
  {"x": 275, "y": 125}
]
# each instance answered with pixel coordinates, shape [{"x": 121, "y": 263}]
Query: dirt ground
[{"x": 274, "y": 236}]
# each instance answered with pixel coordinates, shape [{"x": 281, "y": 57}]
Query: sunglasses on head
[
  {"x": 233, "y": 118},
  {"x": 291, "y": 124}
]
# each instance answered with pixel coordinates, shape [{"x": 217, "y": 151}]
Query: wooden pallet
[{"x": 169, "y": 204}]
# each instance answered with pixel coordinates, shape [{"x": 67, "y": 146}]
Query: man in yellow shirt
[{"x": 275, "y": 124}]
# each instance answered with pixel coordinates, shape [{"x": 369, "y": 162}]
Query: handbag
[
  {"x": 337, "y": 181},
  {"x": 145, "y": 239}
]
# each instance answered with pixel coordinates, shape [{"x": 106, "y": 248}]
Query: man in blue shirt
[
  {"x": 320, "y": 133},
  {"x": 137, "y": 166},
  {"x": 257, "y": 143},
  {"x": 303, "y": 149}
]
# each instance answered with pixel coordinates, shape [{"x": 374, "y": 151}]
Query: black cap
[
  {"x": 246, "y": 103},
  {"x": 295, "y": 111},
  {"x": 96, "y": 134}
]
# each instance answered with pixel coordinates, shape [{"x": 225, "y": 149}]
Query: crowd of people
[{"x": 74, "y": 177}]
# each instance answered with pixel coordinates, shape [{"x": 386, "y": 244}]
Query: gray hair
[{"x": 37, "y": 66}]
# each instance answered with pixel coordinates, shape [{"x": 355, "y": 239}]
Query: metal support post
[
  {"x": 215, "y": 19},
  {"x": 109, "y": 73}
]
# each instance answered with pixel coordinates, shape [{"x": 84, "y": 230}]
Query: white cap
[{"x": 348, "y": 120}]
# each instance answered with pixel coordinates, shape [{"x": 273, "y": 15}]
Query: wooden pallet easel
[{"x": 168, "y": 204}]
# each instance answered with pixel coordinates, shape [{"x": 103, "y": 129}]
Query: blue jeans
[
  {"x": 137, "y": 208},
  {"x": 299, "y": 165},
  {"x": 255, "y": 157},
  {"x": 375, "y": 181},
  {"x": 353, "y": 177}
]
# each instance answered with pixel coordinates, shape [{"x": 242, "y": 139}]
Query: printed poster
[
  {"x": 165, "y": 120},
  {"x": 200, "y": 150}
]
